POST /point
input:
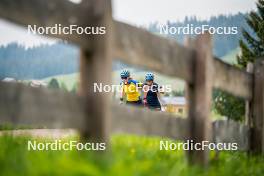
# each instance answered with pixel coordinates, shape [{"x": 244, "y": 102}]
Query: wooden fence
[{"x": 96, "y": 116}]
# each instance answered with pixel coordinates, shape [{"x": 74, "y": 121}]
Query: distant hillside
[
  {"x": 223, "y": 44},
  {"x": 60, "y": 59},
  {"x": 38, "y": 62}
]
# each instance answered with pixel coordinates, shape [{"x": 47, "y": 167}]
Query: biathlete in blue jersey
[{"x": 151, "y": 93}]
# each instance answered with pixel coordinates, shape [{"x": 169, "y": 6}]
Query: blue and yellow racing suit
[{"x": 131, "y": 91}]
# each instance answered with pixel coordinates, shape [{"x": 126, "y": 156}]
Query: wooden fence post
[
  {"x": 199, "y": 98},
  {"x": 96, "y": 67},
  {"x": 257, "y": 130},
  {"x": 248, "y": 114}
]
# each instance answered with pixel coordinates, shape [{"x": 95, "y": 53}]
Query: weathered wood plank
[
  {"x": 248, "y": 111},
  {"x": 232, "y": 80},
  {"x": 139, "y": 47},
  {"x": 257, "y": 128},
  {"x": 199, "y": 98},
  {"x": 134, "y": 120},
  {"x": 43, "y": 133},
  {"x": 50, "y": 12},
  {"x": 23, "y": 105},
  {"x": 228, "y": 131},
  {"x": 96, "y": 67}
]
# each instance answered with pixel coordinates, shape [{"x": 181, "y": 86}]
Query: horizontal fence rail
[
  {"x": 228, "y": 131},
  {"x": 232, "y": 80},
  {"x": 50, "y": 12},
  {"x": 133, "y": 120},
  {"x": 22, "y": 105},
  {"x": 139, "y": 47}
]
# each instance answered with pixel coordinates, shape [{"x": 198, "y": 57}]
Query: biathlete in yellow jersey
[{"x": 130, "y": 89}]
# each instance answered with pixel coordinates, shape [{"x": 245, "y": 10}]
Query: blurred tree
[
  {"x": 252, "y": 47},
  {"x": 54, "y": 84},
  {"x": 63, "y": 87},
  {"x": 74, "y": 88},
  {"x": 228, "y": 105}
]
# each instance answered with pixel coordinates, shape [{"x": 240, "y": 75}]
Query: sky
[{"x": 141, "y": 12}]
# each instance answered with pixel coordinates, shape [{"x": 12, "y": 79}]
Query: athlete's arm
[
  {"x": 122, "y": 93},
  {"x": 145, "y": 92}
]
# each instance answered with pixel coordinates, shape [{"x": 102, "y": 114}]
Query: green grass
[
  {"x": 231, "y": 56},
  {"x": 9, "y": 126},
  {"x": 68, "y": 79},
  {"x": 129, "y": 156}
]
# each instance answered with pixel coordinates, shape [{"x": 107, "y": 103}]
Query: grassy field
[
  {"x": 68, "y": 79},
  {"x": 130, "y": 156},
  {"x": 231, "y": 56}
]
